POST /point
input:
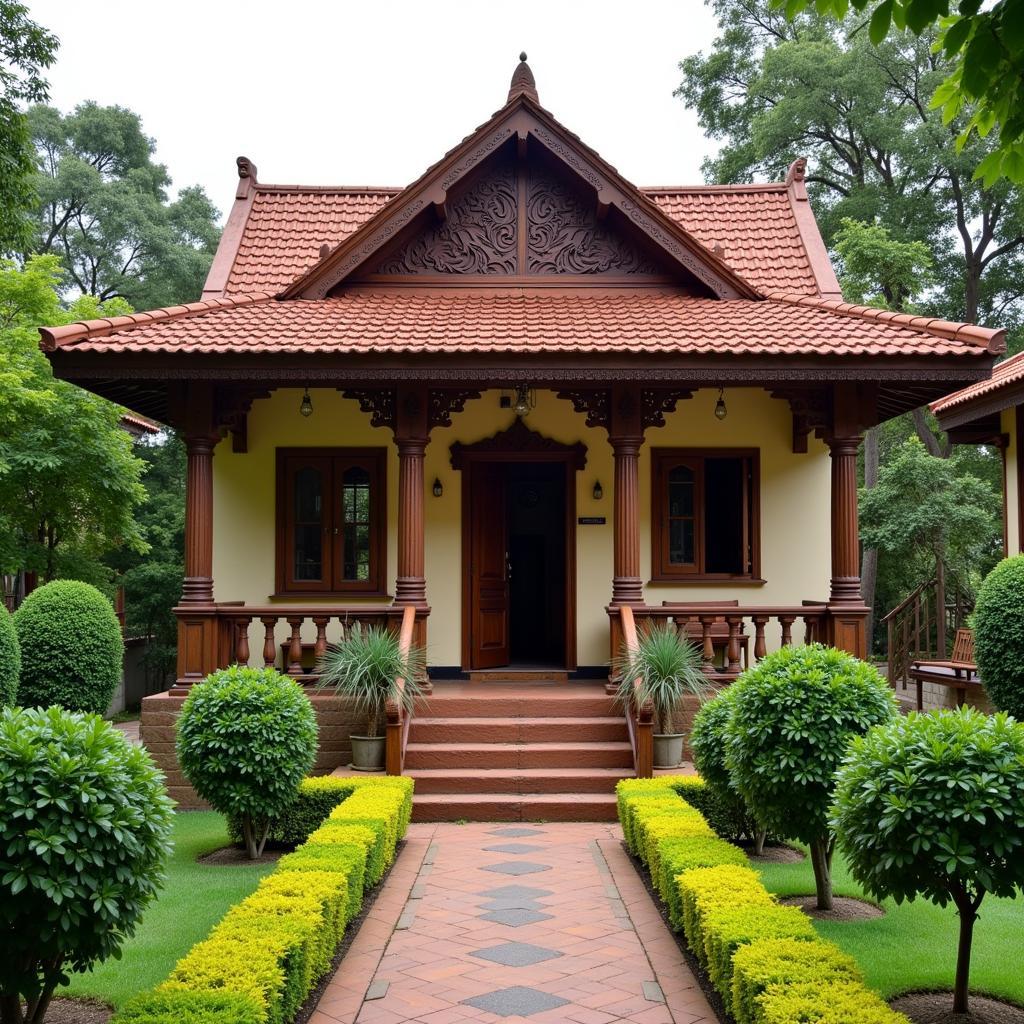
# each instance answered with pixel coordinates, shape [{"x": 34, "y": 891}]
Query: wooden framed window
[
  {"x": 704, "y": 514},
  {"x": 331, "y": 521}
]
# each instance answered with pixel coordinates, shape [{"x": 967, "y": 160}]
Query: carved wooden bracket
[
  {"x": 443, "y": 402},
  {"x": 232, "y": 412},
  {"x": 378, "y": 402},
  {"x": 515, "y": 441},
  {"x": 811, "y": 412},
  {"x": 595, "y": 403},
  {"x": 654, "y": 403}
]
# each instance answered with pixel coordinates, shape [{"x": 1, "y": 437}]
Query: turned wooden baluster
[
  {"x": 295, "y": 647},
  {"x": 706, "y": 622},
  {"x": 760, "y": 649},
  {"x": 320, "y": 645},
  {"x": 808, "y": 631},
  {"x": 242, "y": 642},
  {"x": 733, "y": 653},
  {"x": 269, "y": 651},
  {"x": 787, "y": 629}
]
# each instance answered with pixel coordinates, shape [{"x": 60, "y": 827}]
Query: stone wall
[
  {"x": 935, "y": 696},
  {"x": 334, "y": 717}
]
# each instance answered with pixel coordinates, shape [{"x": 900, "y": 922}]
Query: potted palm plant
[
  {"x": 365, "y": 667},
  {"x": 668, "y": 666}
]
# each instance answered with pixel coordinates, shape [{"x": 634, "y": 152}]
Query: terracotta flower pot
[
  {"x": 668, "y": 749},
  {"x": 367, "y": 753}
]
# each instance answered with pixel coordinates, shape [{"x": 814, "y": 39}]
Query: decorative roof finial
[{"x": 522, "y": 81}]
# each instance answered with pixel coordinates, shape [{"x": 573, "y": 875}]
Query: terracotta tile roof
[
  {"x": 400, "y": 320},
  {"x": 755, "y": 225},
  {"x": 1008, "y": 372}
]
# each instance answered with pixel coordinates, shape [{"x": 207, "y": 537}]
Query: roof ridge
[
  {"x": 53, "y": 338},
  {"x": 765, "y": 186},
  {"x": 992, "y": 340},
  {"x": 339, "y": 189}
]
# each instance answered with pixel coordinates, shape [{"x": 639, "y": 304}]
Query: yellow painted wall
[
  {"x": 1013, "y": 538},
  {"x": 794, "y": 502}
]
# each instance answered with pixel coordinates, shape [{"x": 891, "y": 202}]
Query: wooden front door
[{"x": 488, "y": 562}]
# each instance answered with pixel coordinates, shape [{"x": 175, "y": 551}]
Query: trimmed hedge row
[
  {"x": 764, "y": 959},
  {"x": 263, "y": 959}
]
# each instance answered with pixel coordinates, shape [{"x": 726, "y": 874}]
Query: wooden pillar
[
  {"x": 625, "y": 434},
  {"x": 198, "y": 640},
  {"x": 412, "y": 435},
  {"x": 847, "y": 611}
]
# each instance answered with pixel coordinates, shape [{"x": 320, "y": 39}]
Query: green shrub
[
  {"x": 84, "y": 833},
  {"x": 304, "y": 815},
  {"x": 72, "y": 652},
  {"x": 793, "y": 716},
  {"x": 246, "y": 738},
  {"x": 730, "y": 817},
  {"x": 685, "y": 823},
  {"x": 170, "y": 1007},
  {"x": 347, "y": 859},
  {"x": 677, "y": 855},
  {"x": 832, "y": 1003},
  {"x": 372, "y": 838},
  {"x": 10, "y": 659},
  {"x": 726, "y": 885},
  {"x": 771, "y": 963},
  {"x": 933, "y": 805},
  {"x": 999, "y": 635}
]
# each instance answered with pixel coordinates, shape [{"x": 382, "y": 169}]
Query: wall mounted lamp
[
  {"x": 598, "y": 490},
  {"x": 526, "y": 399},
  {"x": 720, "y": 410},
  {"x": 306, "y": 408},
  {"x": 438, "y": 488}
]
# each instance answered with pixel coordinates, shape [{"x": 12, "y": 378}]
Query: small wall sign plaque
[{"x": 591, "y": 520}]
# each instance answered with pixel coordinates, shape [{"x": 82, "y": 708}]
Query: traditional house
[
  {"x": 520, "y": 404},
  {"x": 991, "y": 412}
]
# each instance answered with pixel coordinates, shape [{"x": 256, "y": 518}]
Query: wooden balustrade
[
  {"x": 397, "y": 719},
  {"x": 639, "y": 714}
]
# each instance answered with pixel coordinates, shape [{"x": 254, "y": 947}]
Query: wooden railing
[
  {"x": 397, "y": 719},
  {"x": 917, "y": 631},
  {"x": 639, "y": 714}
]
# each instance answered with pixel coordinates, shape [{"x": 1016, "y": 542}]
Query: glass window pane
[
  {"x": 308, "y": 495},
  {"x": 680, "y": 541},
  {"x": 308, "y": 553},
  {"x": 356, "y": 502}
]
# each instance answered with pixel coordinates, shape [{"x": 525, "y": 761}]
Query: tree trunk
[
  {"x": 37, "y": 1009},
  {"x": 821, "y": 862},
  {"x": 940, "y": 605},
  {"x": 249, "y": 837},
  {"x": 968, "y": 911},
  {"x": 869, "y": 557},
  {"x": 10, "y": 1010},
  {"x": 928, "y": 439},
  {"x": 760, "y": 835}
]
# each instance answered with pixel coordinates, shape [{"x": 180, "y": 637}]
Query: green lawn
[
  {"x": 193, "y": 900},
  {"x": 914, "y": 945}
]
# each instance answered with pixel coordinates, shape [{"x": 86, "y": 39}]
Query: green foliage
[
  {"x": 933, "y": 805},
  {"x": 986, "y": 42},
  {"x": 365, "y": 667},
  {"x": 84, "y": 836},
  {"x": 26, "y": 49},
  {"x": 679, "y": 854},
  {"x": 183, "y": 1007},
  {"x": 72, "y": 653},
  {"x": 10, "y": 659},
  {"x": 69, "y": 481},
  {"x": 303, "y": 816},
  {"x": 794, "y": 714},
  {"x": 246, "y": 738},
  {"x": 721, "y": 803},
  {"x": 879, "y": 270},
  {"x": 103, "y": 208},
  {"x": 838, "y": 1001},
  {"x": 668, "y": 666},
  {"x": 999, "y": 635}
]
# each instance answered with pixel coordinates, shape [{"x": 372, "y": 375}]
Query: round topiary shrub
[
  {"x": 999, "y": 635},
  {"x": 72, "y": 652},
  {"x": 933, "y": 805},
  {"x": 246, "y": 739},
  {"x": 10, "y": 659},
  {"x": 794, "y": 714},
  {"x": 84, "y": 831}
]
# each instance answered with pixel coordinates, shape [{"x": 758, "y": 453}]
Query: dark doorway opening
[{"x": 535, "y": 521}]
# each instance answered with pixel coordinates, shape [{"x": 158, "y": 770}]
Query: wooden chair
[{"x": 959, "y": 673}]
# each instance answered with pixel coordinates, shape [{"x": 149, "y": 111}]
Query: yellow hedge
[
  {"x": 346, "y": 859},
  {"x": 727, "y": 885},
  {"x": 831, "y": 1003},
  {"x": 677, "y": 854},
  {"x": 652, "y": 832}
]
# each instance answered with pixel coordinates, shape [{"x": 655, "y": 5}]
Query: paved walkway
[{"x": 493, "y": 922}]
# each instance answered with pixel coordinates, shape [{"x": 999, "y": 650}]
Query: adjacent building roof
[{"x": 1004, "y": 389}]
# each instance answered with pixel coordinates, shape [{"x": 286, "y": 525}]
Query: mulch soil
[
  {"x": 936, "y": 1008},
  {"x": 78, "y": 1011},
  {"x": 235, "y": 856},
  {"x": 774, "y": 854},
  {"x": 844, "y": 908}
]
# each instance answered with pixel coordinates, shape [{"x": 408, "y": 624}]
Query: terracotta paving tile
[{"x": 435, "y": 965}]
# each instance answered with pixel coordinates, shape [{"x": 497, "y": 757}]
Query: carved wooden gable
[{"x": 519, "y": 219}]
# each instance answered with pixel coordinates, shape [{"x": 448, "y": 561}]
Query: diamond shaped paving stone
[
  {"x": 516, "y": 867},
  {"x": 516, "y": 954},
  {"x": 516, "y": 917},
  {"x": 516, "y": 892},
  {"x": 517, "y": 1001},
  {"x": 516, "y": 833},
  {"x": 513, "y": 848}
]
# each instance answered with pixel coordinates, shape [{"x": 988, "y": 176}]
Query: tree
[
  {"x": 26, "y": 49},
  {"x": 86, "y": 831},
  {"x": 999, "y": 635},
  {"x": 933, "y": 805},
  {"x": 793, "y": 716},
  {"x": 68, "y": 478},
  {"x": 987, "y": 47},
  {"x": 104, "y": 209},
  {"x": 773, "y": 89}
]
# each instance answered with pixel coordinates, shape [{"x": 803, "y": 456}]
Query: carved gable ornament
[{"x": 514, "y": 442}]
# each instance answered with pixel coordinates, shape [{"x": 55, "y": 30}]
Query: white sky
[{"x": 372, "y": 93}]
